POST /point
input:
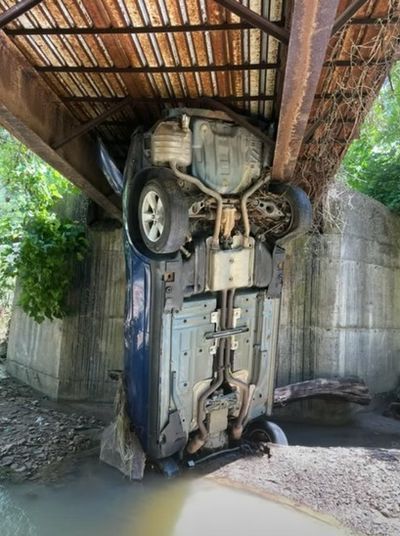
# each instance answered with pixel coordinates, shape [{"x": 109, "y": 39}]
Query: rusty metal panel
[
  {"x": 203, "y": 48},
  {"x": 311, "y": 29}
]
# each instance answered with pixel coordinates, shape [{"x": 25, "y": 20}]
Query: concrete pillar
[
  {"x": 341, "y": 297},
  {"x": 71, "y": 358}
]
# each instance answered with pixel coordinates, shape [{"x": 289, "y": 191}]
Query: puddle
[{"x": 96, "y": 501}]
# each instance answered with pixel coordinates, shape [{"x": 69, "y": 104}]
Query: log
[{"x": 346, "y": 389}]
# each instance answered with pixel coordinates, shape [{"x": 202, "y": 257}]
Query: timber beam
[
  {"x": 147, "y": 69},
  {"x": 179, "y": 28},
  {"x": 35, "y": 115},
  {"x": 311, "y": 28}
]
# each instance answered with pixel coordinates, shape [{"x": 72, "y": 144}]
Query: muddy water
[{"x": 96, "y": 501}]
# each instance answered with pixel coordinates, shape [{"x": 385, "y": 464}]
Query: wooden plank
[{"x": 256, "y": 20}]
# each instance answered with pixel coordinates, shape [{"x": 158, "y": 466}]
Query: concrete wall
[
  {"x": 34, "y": 352},
  {"x": 341, "y": 298},
  {"x": 340, "y": 310},
  {"x": 71, "y": 358},
  {"x": 93, "y": 337}
]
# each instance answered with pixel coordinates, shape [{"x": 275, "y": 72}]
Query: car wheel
[
  {"x": 300, "y": 208},
  {"x": 264, "y": 431},
  {"x": 163, "y": 216}
]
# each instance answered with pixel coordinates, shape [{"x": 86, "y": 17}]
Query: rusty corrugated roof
[
  {"x": 90, "y": 93},
  {"x": 163, "y": 52}
]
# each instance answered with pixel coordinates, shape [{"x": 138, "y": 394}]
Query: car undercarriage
[{"x": 205, "y": 231}]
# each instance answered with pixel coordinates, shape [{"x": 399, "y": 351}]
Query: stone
[{"x": 6, "y": 461}]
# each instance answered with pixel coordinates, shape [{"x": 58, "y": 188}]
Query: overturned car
[{"x": 205, "y": 231}]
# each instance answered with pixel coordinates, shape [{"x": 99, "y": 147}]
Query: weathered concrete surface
[
  {"x": 34, "y": 352},
  {"x": 93, "y": 337},
  {"x": 341, "y": 298},
  {"x": 71, "y": 358}
]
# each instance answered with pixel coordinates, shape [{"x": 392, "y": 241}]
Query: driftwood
[{"x": 347, "y": 389}]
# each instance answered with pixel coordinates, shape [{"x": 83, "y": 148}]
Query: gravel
[
  {"x": 35, "y": 439},
  {"x": 359, "y": 487}
]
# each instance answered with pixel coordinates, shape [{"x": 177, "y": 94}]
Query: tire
[
  {"x": 262, "y": 430},
  {"x": 301, "y": 210},
  {"x": 163, "y": 216}
]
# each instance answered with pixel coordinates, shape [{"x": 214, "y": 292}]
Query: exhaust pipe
[{"x": 201, "y": 436}]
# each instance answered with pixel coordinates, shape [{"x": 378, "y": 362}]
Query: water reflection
[
  {"x": 201, "y": 508},
  {"x": 14, "y": 521},
  {"x": 96, "y": 501}
]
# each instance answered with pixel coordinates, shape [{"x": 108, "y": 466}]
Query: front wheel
[{"x": 264, "y": 431}]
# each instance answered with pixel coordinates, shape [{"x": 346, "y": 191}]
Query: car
[{"x": 205, "y": 231}]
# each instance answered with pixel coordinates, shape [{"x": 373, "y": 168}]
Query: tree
[
  {"x": 37, "y": 246},
  {"x": 372, "y": 163}
]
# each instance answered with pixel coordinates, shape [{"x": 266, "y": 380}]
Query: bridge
[{"x": 306, "y": 70}]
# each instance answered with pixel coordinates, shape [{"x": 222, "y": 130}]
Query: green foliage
[
  {"x": 36, "y": 245},
  {"x": 52, "y": 246},
  {"x": 372, "y": 163}
]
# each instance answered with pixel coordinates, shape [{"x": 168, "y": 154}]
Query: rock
[
  {"x": 20, "y": 469},
  {"x": 32, "y": 437},
  {"x": 3, "y": 349},
  {"x": 6, "y": 461}
]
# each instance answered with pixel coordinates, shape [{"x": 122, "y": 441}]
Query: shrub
[{"x": 37, "y": 246}]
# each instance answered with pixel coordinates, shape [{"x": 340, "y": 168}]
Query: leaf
[
  {"x": 372, "y": 163},
  {"x": 37, "y": 246}
]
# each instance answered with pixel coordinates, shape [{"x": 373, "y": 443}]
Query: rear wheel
[
  {"x": 298, "y": 204},
  {"x": 163, "y": 216},
  {"x": 264, "y": 431}
]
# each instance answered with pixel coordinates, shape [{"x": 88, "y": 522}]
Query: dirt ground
[
  {"x": 34, "y": 437},
  {"x": 350, "y": 473},
  {"x": 358, "y": 487}
]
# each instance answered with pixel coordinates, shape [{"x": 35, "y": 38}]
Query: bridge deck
[{"x": 309, "y": 67}]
